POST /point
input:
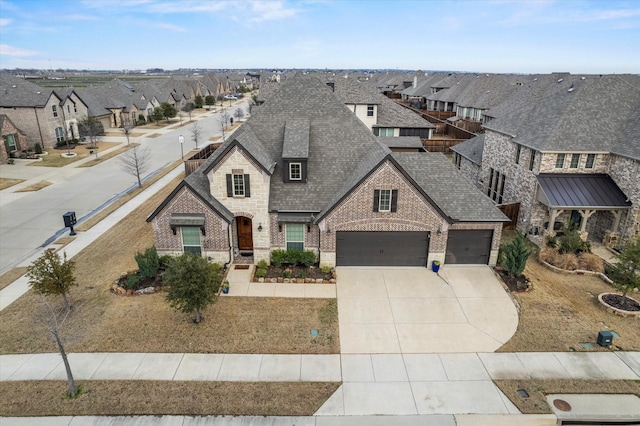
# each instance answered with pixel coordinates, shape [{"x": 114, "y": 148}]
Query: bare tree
[
  {"x": 135, "y": 162},
  {"x": 196, "y": 133},
  {"x": 224, "y": 119},
  {"x": 238, "y": 113},
  {"x": 53, "y": 317},
  {"x": 188, "y": 108},
  {"x": 91, "y": 128}
]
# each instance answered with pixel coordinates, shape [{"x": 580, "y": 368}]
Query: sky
[{"x": 536, "y": 36}]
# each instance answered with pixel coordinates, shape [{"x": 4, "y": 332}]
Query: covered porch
[{"x": 581, "y": 198}]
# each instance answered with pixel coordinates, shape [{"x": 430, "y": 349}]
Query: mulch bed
[
  {"x": 621, "y": 302},
  {"x": 297, "y": 272},
  {"x": 514, "y": 284}
]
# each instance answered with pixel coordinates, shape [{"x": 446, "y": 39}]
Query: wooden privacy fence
[
  {"x": 196, "y": 160},
  {"x": 510, "y": 210}
]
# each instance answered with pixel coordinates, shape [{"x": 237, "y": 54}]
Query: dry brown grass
[
  {"x": 119, "y": 398},
  {"x": 109, "y": 155},
  {"x": 11, "y": 275},
  {"x": 55, "y": 159},
  {"x": 562, "y": 311},
  {"x": 155, "y": 135},
  {"x": 590, "y": 262},
  {"x": 9, "y": 182},
  {"x": 536, "y": 403},
  {"x": 93, "y": 220},
  {"x": 36, "y": 186},
  {"x": 104, "y": 322},
  {"x": 215, "y": 138}
]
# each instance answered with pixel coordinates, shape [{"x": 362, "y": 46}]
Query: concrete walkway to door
[{"x": 413, "y": 310}]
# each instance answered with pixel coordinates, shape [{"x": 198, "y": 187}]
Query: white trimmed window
[
  {"x": 295, "y": 236},
  {"x": 295, "y": 171},
  {"x": 385, "y": 131},
  {"x": 384, "y": 202},
  {"x": 575, "y": 161},
  {"x": 591, "y": 159},
  {"x": 59, "y": 134},
  {"x": 238, "y": 185},
  {"x": 369, "y": 110},
  {"x": 54, "y": 109},
  {"x": 191, "y": 240},
  {"x": 560, "y": 161},
  {"x": 11, "y": 143}
]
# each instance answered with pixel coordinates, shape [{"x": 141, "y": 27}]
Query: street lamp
[{"x": 181, "y": 140}]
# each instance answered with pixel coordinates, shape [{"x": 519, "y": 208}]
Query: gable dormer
[{"x": 295, "y": 151}]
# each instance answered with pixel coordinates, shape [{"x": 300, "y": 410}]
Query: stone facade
[
  {"x": 471, "y": 171},
  {"x": 215, "y": 244},
  {"x": 256, "y": 206},
  {"x": 626, "y": 173}
]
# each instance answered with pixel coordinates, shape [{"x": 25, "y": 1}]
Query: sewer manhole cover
[{"x": 561, "y": 405}]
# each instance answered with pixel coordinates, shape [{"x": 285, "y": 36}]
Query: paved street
[{"x": 29, "y": 219}]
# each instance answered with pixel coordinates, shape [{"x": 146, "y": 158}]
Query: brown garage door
[
  {"x": 469, "y": 246},
  {"x": 381, "y": 248}
]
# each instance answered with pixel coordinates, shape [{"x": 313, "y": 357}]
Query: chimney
[{"x": 415, "y": 81}]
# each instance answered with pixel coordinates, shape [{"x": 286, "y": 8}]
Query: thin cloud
[
  {"x": 4, "y": 22},
  {"x": 6, "y": 50},
  {"x": 270, "y": 11},
  {"x": 79, "y": 17},
  {"x": 170, "y": 27}
]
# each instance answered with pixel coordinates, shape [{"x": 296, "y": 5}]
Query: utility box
[
  {"x": 605, "y": 338},
  {"x": 69, "y": 219}
]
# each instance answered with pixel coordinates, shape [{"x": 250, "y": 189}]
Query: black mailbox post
[{"x": 70, "y": 220}]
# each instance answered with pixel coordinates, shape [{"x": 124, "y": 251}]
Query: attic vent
[
  {"x": 571, "y": 89},
  {"x": 583, "y": 78},
  {"x": 332, "y": 86},
  {"x": 535, "y": 79},
  {"x": 14, "y": 86},
  {"x": 488, "y": 91},
  {"x": 38, "y": 93},
  {"x": 560, "y": 80}
]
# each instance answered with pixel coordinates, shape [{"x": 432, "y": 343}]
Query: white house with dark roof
[
  {"x": 305, "y": 173},
  {"x": 571, "y": 153}
]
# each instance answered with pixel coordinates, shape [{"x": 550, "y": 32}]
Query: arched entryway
[{"x": 244, "y": 229}]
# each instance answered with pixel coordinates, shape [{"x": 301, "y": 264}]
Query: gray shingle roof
[
  {"x": 448, "y": 188},
  {"x": 471, "y": 149},
  {"x": 17, "y": 92},
  {"x": 401, "y": 141},
  {"x": 296, "y": 138},
  {"x": 571, "y": 190},
  {"x": 594, "y": 114}
]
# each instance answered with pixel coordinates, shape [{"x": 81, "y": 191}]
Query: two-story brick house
[
  {"x": 305, "y": 173},
  {"x": 572, "y": 155}
]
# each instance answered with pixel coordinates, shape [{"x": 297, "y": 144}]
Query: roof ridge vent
[
  {"x": 571, "y": 89},
  {"x": 583, "y": 78},
  {"x": 560, "y": 80}
]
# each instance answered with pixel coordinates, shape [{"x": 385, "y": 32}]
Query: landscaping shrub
[
  {"x": 261, "y": 272},
  {"x": 549, "y": 255},
  {"x": 148, "y": 262},
  {"x": 568, "y": 261},
  {"x": 293, "y": 257},
  {"x": 551, "y": 241},
  {"x": 570, "y": 242},
  {"x": 165, "y": 260},
  {"x": 325, "y": 269},
  {"x": 61, "y": 144},
  {"x": 263, "y": 264},
  {"x": 278, "y": 257},
  {"x": 133, "y": 280},
  {"x": 516, "y": 254},
  {"x": 37, "y": 148},
  {"x": 306, "y": 258},
  {"x": 141, "y": 119},
  {"x": 591, "y": 262}
]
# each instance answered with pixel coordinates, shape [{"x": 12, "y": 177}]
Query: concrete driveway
[{"x": 415, "y": 311}]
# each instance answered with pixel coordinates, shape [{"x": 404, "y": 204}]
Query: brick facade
[
  {"x": 215, "y": 243},
  {"x": 8, "y": 128}
]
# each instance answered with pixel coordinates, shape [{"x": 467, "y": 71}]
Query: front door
[{"x": 245, "y": 234}]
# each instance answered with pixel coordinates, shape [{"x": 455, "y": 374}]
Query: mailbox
[{"x": 69, "y": 219}]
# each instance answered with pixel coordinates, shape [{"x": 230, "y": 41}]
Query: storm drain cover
[
  {"x": 561, "y": 405},
  {"x": 314, "y": 332},
  {"x": 616, "y": 335}
]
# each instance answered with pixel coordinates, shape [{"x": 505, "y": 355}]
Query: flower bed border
[{"x": 617, "y": 311}]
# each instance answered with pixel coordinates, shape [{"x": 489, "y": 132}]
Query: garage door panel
[
  {"x": 469, "y": 246},
  {"x": 381, "y": 248}
]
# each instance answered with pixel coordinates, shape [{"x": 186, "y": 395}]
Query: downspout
[
  {"x": 39, "y": 129},
  {"x": 224, "y": 267}
]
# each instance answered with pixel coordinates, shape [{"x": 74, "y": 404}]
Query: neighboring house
[
  {"x": 45, "y": 116},
  {"x": 467, "y": 157},
  {"x": 572, "y": 155},
  {"x": 305, "y": 173},
  {"x": 13, "y": 140}
]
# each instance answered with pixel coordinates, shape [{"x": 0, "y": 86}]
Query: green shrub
[
  {"x": 570, "y": 242},
  {"x": 516, "y": 254},
  {"x": 141, "y": 119},
  {"x": 261, "y": 272},
  {"x": 325, "y": 269},
  {"x": 292, "y": 257},
  {"x": 148, "y": 262},
  {"x": 263, "y": 264},
  {"x": 165, "y": 260},
  {"x": 551, "y": 241},
  {"x": 278, "y": 257},
  {"x": 302, "y": 274},
  {"x": 306, "y": 258},
  {"x": 133, "y": 279},
  {"x": 37, "y": 148},
  {"x": 60, "y": 144},
  {"x": 286, "y": 274}
]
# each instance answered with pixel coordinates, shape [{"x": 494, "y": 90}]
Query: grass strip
[
  {"x": 11, "y": 275},
  {"x": 86, "y": 225},
  {"x": 537, "y": 389},
  {"x": 111, "y": 154},
  {"x": 135, "y": 398},
  {"x": 55, "y": 158},
  {"x": 35, "y": 187},
  {"x": 9, "y": 182}
]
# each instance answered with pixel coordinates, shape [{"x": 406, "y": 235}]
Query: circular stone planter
[
  {"x": 69, "y": 155},
  {"x": 616, "y": 310}
]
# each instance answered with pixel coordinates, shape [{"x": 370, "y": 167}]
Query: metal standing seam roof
[{"x": 594, "y": 191}]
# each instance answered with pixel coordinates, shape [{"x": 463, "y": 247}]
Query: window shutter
[
  {"x": 286, "y": 172},
  {"x": 303, "y": 171},
  {"x": 376, "y": 200},
  {"x": 229, "y": 186},
  {"x": 247, "y": 187},
  {"x": 394, "y": 200}
]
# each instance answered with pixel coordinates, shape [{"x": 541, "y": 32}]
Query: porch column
[
  {"x": 553, "y": 214},
  {"x": 586, "y": 214},
  {"x": 617, "y": 214}
]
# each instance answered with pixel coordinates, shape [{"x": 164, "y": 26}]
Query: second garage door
[
  {"x": 381, "y": 248},
  {"x": 469, "y": 246}
]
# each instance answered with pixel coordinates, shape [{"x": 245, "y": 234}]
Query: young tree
[
  {"x": 198, "y": 101},
  {"x": 625, "y": 273},
  {"x": 224, "y": 119},
  {"x": 193, "y": 283},
  {"x": 49, "y": 274},
  {"x": 238, "y": 113},
  {"x": 188, "y": 108},
  {"x": 209, "y": 100},
  {"x": 516, "y": 254},
  {"x": 135, "y": 162},
  {"x": 168, "y": 110},
  {"x": 196, "y": 133},
  {"x": 91, "y": 128},
  {"x": 158, "y": 114},
  {"x": 53, "y": 317}
]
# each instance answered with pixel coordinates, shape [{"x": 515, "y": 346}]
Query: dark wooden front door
[{"x": 245, "y": 235}]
